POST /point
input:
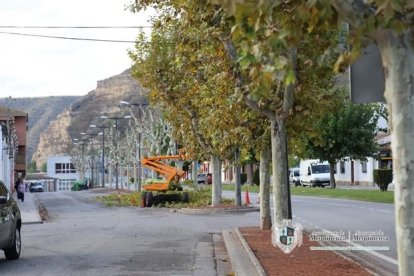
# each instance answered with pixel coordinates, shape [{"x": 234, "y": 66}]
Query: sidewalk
[
  {"x": 28, "y": 208},
  {"x": 251, "y": 253}
]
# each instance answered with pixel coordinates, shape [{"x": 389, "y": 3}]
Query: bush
[
  {"x": 256, "y": 177},
  {"x": 383, "y": 177},
  {"x": 77, "y": 186}
]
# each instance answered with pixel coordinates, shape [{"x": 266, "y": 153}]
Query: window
[
  {"x": 65, "y": 184},
  {"x": 65, "y": 168},
  {"x": 342, "y": 166},
  {"x": 3, "y": 190},
  {"x": 364, "y": 166}
]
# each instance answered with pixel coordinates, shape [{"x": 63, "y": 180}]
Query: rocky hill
[
  {"x": 41, "y": 111},
  {"x": 57, "y": 138}
]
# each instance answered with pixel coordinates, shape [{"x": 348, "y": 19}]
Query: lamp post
[
  {"x": 139, "y": 105},
  {"x": 116, "y": 119},
  {"x": 103, "y": 127}
]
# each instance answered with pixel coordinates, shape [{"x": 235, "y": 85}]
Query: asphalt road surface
[{"x": 84, "y": 238}]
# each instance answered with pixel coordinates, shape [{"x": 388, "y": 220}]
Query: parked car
[
  {"x": 202, "y": 178},
  {"x": 294, "y": 176},
  {"x": 10, "y": 224},
  {"x": 36, "y": 187}
]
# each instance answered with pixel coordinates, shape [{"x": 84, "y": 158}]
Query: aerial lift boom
[{"x": 168, "y": 172}]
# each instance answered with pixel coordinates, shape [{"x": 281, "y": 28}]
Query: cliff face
[{"x": 57, "y": 139}]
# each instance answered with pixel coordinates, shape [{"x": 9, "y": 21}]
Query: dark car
[
  {"x": 10, "y": 224},
  {"x": 36, "y": 187}
]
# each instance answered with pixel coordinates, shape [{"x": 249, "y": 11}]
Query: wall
[{"x": 6, "y": 164}]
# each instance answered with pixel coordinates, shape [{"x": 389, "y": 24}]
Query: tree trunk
[
  {"x": 194, "y": 173},
  {"x": 216, "y": 177},
  {"x": 237, "y": 178},
  {"x": 398, "y": 60},
  {"x": 332, "y": 174},
  {"x": 249, "y": 174},
  {"x": 279, "y": 169},
  {"x": 265, "y": 217}
]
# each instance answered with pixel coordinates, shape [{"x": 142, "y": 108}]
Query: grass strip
[{"x": 354, "y": 194}]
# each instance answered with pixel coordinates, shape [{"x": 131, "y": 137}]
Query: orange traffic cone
[{"x": 246, "y": 197}]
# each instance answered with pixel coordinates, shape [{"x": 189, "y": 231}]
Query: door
[
  {"x": 352, "y": 172},
  {"x": 5, "y": 215}
]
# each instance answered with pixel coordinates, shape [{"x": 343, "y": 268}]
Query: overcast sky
[{"x": 35, "y": 67}]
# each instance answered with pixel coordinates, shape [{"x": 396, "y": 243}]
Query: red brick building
[{"x": 15, "y": 123}]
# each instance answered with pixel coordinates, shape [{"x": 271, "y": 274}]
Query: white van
[
  {"x": 314, "y": 173},
  {"x": 294, "y": 176}
]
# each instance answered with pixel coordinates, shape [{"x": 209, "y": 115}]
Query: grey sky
[{"x": 34, "y": 67}]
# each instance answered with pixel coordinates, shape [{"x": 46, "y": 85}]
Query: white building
[
  {"x": 62, "y": 168},
  {"x": 6, "y": 163},
  {"x": 356, "y": 172}
]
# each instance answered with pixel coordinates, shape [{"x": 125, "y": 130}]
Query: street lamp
[
  {"x": 116, "y": 119},
  {"x": 103, "y": 127},
  {"x": 139, "y": 105}
]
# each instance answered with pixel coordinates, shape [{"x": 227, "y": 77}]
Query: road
[
  {"x": 84, "y": 238},
  {"x": 349, "y": 216}
]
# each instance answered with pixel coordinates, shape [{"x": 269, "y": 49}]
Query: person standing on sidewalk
[{"x": 21, "y": 189}]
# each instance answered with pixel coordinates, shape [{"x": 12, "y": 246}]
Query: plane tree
[{"x": 269, "y": 75}]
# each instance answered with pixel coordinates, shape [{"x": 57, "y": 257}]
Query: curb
[
  {"x": 39, "y": 219},
  {"x": 255, "y": 261},
  {"x": 195, "y": 211},
  {"x": 242, "y": 259}
]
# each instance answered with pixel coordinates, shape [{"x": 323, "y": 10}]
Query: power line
[
  {"x": 68, "y": 38},
  {"x": 74, "y": 27}
]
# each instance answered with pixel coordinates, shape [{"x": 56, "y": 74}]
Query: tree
[
  {"x": 348, "y": 133},
  {"x": 31, "y": 168},
  {"x": 269, "y": 74},
  {"x": 44, "y": 167}
]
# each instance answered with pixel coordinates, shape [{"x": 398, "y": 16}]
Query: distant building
[
  {"x": 385, "y": 154},
  {"x": 356, "y": 172},
  {"x": 62, "y": 168},
  {"x": 13, "y": 128}
]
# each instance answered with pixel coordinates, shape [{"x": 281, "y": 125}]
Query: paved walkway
[{"x": 28, "y": 208}]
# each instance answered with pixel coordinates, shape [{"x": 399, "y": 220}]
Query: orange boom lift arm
[{"x": 168, "y": 172}]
